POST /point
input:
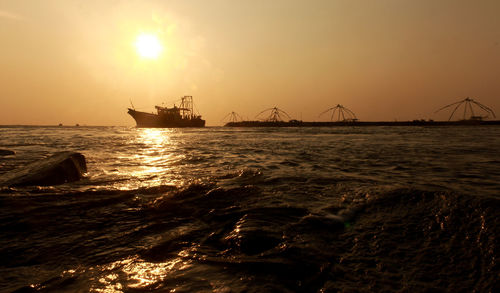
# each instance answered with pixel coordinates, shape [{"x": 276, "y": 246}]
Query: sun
[{"x": 148, "y": 46}]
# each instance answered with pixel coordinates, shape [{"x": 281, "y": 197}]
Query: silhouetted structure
[
  {"x": 468, "y": 104},
  {"x": 298, "y": 123},
  {"x": 346, "y": 117},
  {"x": 232, "y": 117},
  {"x": 182, "y": 116},
  {"x": 275, "y": 115},
  {"x": 343, "y": 114}
]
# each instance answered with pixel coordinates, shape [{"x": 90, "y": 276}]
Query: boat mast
[{"x": 186, "y": 107}]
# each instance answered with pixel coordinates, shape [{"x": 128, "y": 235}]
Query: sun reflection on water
[
  {"x": 152, "y": 162},
  {"x": 135, "y": 273},
  {"x": 155, "y": 136},
  {"x": 143, "y": 274}
]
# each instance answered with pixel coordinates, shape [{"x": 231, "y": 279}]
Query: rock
[
  {"x": 59, "y": 168},
  {"x": 7, "y": 152}
]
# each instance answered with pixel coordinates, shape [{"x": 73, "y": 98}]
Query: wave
[{"x": 201, "y": 237}]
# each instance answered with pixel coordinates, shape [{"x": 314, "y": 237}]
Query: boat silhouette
[{"x": 182, "y": 116}]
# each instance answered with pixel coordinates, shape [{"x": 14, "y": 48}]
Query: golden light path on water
[
  {"x": 135, "y": 273},
  {"x": 154, "y": 159},
  {"x": 151, "y": 164}
]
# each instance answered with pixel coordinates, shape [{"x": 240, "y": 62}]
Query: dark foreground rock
[
  {"x": 60, "y": 168},
  {"x": 6, "y": 152}
]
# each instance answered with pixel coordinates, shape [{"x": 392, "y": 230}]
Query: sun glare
[{"x": 148, "y": 46}]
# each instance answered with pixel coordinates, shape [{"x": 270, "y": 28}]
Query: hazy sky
[{"x": 75, "y": 61}]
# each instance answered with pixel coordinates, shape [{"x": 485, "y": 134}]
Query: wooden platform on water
[{"x": 298, "y": 123}]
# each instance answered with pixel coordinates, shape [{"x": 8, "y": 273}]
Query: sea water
[{"x": 255, "y": 210}]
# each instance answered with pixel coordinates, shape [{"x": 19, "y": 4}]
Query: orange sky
[{"x": 75, "y": 61}]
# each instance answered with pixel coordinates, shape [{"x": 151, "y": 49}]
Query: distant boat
[{"x": 182, "y": 116}]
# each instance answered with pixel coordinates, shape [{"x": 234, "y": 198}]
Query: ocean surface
[{"x": 340, "y": 209}]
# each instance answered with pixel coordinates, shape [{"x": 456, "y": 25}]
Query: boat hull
[{"x": 147, "y": 120}]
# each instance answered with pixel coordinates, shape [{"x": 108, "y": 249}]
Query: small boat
[{"x": 182, "y": 116}]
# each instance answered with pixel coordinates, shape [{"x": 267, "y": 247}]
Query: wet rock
[
  {"x": 57, "y": 169},
  {"x": 6, "y": 152}
]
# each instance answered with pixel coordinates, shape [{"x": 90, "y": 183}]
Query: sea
[{"x": 216, "y": 209}]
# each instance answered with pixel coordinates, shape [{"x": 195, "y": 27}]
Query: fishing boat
[{"x": 182, "y": 116}]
